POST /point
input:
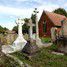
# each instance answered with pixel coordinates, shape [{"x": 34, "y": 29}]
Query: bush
[
  {"x": 53, "y": 47},
  {"x": 46, "y": 40}
]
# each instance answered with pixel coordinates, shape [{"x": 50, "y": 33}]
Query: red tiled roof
[{"x": 55, "y": 18}]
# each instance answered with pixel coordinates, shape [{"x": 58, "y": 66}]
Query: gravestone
[
  {"x": 38, "y": 40},
  {"x": 31, "y": 47},
  {"x": 30, "y": 24},
  {"x": 19, "y": 43}
]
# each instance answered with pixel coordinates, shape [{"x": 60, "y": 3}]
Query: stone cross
[
  {"x": 31, "y": 27},
  {"x": 19, "y": 43},
  {"x": 37, "y": 30},
  {"x": 20, "y": 23},
  {"x": 38, "y": 40},
  {"x": 36, "y": 19}
]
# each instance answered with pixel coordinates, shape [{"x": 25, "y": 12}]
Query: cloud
[
  {"x": 27, "y": 0},
  {"x": 26, "y": 12},
  {"x": 22, "y": 0},
  {"x": 65, "y": 5},
  {"x": 49, "y": 7},
  {"x": 8, "y": 25},
  {"x": 15, "y": 11}
]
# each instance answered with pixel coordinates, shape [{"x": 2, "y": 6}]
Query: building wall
[
  {"x": 49, "y": 26},
  {"x": 65, "y": 29}
]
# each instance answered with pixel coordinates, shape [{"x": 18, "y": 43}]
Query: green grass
[
  {"x": 44, "y": 58},
  {"x": 53, "y": 47},
  {"x": 46, "y": 40}
]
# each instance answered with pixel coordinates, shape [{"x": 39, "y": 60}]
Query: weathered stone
[
  {"x": 62, "y": 44},
  {"x": 57, "y": 53},
  {"x": 30, "y": 48},
  {"x": 19, "y": 43}
]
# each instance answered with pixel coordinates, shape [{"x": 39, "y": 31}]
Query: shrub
[
  {"x": 46, "y": 40},
  {"x": 53, "y": 47}
]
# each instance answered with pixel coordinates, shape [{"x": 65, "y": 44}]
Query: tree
[
  {"x": 60, "y": 11},
  {"x": 15, "y": 28},
  {"x": 5, "y": 28},
  {"x": 2, "y": 30},
  {"x": 33, "y": 17},
  {"x": 26, "y": 20}
]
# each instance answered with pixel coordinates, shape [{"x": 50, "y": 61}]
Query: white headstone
[{"x": 19, "y": 43}]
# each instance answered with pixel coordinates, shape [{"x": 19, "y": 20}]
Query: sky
[{"x": 10, "y": 10}]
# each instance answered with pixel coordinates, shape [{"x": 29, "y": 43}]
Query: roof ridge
[{"x": 55, "y": 18}]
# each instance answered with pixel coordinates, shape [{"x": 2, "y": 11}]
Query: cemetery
[{"x": 45, "y": 48}]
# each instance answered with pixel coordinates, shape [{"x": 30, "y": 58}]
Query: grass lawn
[{"x": 44, "y": 58}]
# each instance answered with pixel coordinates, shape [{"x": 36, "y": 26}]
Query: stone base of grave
[
  {"x": 18, "y": 45},
  {"x": 30, "y": 48},
  {"x": 40, "y": 44}
]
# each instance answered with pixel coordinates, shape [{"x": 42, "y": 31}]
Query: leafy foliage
[
  {"x": 60, "y": 11},
  {"x": 46, "y": 39},
  {"x": 25, "y": 28},
  {"x": 53, "y": 47},
  {"x": 15, "y": 28},
  {"x": 26, "y": 20},
  {"x": 33, "y": 17},
  {"x": 2, "y": 30}
]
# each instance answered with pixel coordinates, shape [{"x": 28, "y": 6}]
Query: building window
[{"x": 44, "y": 27}]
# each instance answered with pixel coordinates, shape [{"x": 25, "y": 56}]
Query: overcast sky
[{"x": 10, "y": 10}]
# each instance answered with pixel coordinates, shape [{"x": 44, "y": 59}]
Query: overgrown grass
[
  {"x": 7, "y": 62},
  {"x": 22, "y": 57},
  {"x": 44, "y": 58}
]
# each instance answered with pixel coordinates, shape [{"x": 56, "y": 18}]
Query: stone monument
[
  {"x": 19, "y": 43},
  {"x": 38, "y": 40},
  {"x": 30, "y": 24},
  {"x": 20, "y": 40},
  {"x": 31, "y": 47}
]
